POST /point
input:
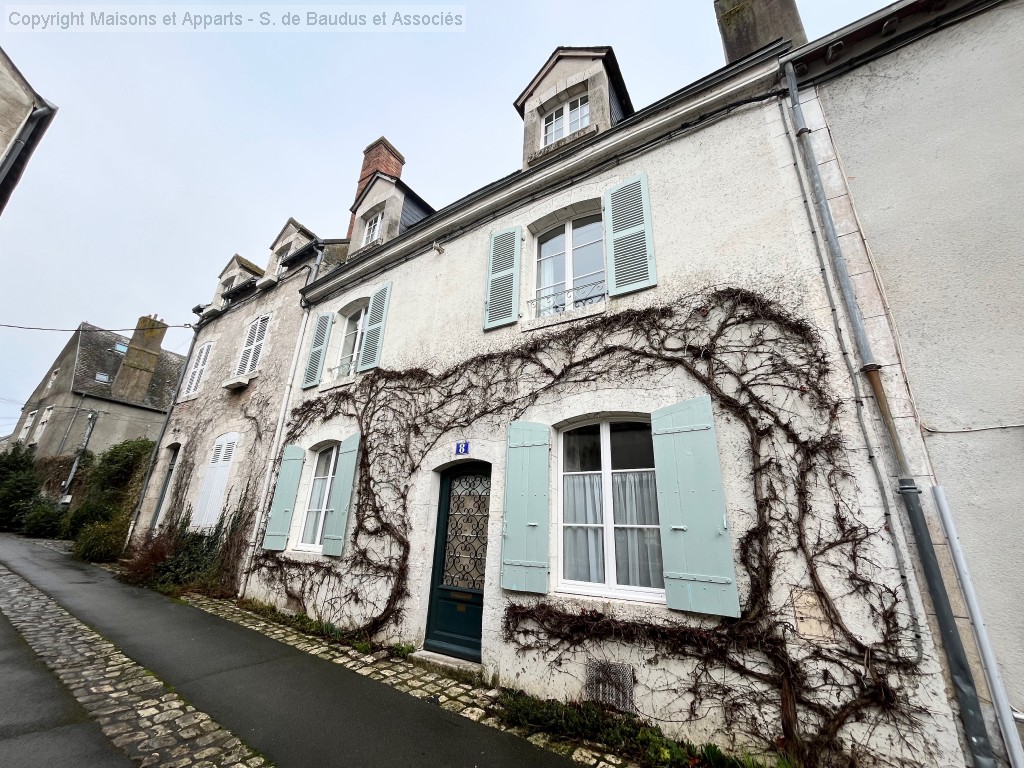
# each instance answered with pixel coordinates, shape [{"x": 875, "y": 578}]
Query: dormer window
[
  {"x": 120, "y": 347},
  {"x": 373, "y": 227},
  {"x": 574, "y": 115}
]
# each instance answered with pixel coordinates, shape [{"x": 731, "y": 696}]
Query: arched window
[
  {"x": 610, "y": 534},
  {"x": 570, "y": 266},
  {"x": 319, "y": 493},
  {"x": 352, "y": 341}
]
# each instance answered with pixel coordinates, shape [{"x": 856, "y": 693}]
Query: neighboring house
[
  {"x": 219, "y": 439},
  {"x": 24, "y": 118},
  {"x": 603, "y": 426},
  {"x": 930, "y": 213},
  {"x": 102, "y": 389}
]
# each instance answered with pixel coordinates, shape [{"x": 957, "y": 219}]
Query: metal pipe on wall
[{"x": 956, "y": 657}]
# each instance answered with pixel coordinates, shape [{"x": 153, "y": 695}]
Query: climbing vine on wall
[{"x": 828, "y": 701}]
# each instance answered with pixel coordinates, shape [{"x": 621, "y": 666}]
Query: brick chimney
[
  {"x": 747, "y": 25},
  {"x": 381, "y": 156},
  {"x": 136, "y": 372}
]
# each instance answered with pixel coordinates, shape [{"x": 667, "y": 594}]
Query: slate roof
[{"x": 96, "y": 354}]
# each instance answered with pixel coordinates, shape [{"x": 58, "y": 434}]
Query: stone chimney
[
  {"x": 136, "y": 372},
  {"x": 381, "y": 156},
  {"x": 747, "y": 25}
]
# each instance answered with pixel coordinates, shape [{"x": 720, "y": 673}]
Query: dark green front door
[{"x": 455, "y": 614}]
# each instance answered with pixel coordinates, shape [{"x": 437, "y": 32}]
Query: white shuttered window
[{"x": 253, "y": 348}]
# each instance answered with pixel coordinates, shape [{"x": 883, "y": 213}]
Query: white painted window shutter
[
  {"x": 629, "y": 242},
  {"x": 208, "y": 508},
  {"x": 198, "y": 367}
]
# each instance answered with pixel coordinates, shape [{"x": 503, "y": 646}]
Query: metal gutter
[
  {"x": 13, "y": 164},
  {"x": 956, "y": 657}
]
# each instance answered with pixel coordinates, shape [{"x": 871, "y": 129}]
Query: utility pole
[{"x": 90, "y": 423}]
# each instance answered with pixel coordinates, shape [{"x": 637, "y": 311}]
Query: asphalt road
[{"x": 297, "y": 709}]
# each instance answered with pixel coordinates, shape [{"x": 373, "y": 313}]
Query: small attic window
[
  {"x": 227, "y": 284},
  {"x": 120, "y": 347},
  {"x": 373, "y": 228},
  {"x": 565, "y": 119},
  {"x": 103, "y": 377}
]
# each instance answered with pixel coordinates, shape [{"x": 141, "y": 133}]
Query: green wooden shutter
[
  {"x": 317, "y": 352},
  {"x": 501, "y": 306},
  {"x": 629, "y": 243},
  {"x": 280, "y": 519},
  {"x": 341, "y": 496},
  {"x": 524, "y": 545},
  {"x": 373, "y": 334},
  {"x": 696, "y": 546}
]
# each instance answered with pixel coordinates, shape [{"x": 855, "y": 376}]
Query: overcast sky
[{"x": 171, "y": 151}]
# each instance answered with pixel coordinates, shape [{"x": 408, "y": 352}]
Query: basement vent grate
[{"x": 611, "y": 684}]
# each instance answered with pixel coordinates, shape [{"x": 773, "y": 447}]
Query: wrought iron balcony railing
[{"x": 574, "y": 298}]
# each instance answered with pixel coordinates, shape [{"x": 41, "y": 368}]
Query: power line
[{"x": 85, "y": 330}]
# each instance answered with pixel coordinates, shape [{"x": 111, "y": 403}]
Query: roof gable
[
  {"x": 602, "y": 52},
  {"x": 245, "y": 264}
]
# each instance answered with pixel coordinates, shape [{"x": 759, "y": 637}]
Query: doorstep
[{"x": 438, "y": 662}]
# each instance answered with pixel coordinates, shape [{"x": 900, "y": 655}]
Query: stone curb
[
  {"x": 474, "y": 702},
  {"x": 136, "y": 711}
]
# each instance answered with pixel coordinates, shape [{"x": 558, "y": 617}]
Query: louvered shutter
[
  {"x": 250, "y": 339},
  {"x": 696, "y": 546},
  {"x": 208, "y": 509},
  {"x": 261, "y": 334},
  {"x": 373, "y": 335},
  {"x": 629, "y": 243},
  {"x": 198, "y": 367},
  {"x": 524, "y": 536},
  {"x": 501, "y": 306},
  {"x": 279, "y": 521},
  {"x": 340, "y": 497},
  {"x": 318, "y": 351}
]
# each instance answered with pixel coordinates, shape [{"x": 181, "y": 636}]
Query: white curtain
[
  {"x": 638, "y": 546},
  {"x": 583, "y": 546}
]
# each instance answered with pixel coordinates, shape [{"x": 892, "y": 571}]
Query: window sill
[
  {"x": 188, "y": 398},
  {"x": 240, "y": 382},
  {"x": 580, "y": 590},
  {"x": 558, "y": 318},
  {"x": 335, "y": 383},
  {"x": 562, "y": 143},
  {"x": 269, "y": 281}
]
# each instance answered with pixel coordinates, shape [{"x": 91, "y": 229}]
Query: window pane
[
  {"x": 632, "y": 447},
  {"x": 582, "y": 499},
  {"x": 638, "y": 557},
  {"x": 309, "y": 530},
  {"x": 318, "y": 494},
  {"x": 582, "y": 448},
  {"x": 586, "y": 261},
  {"x": 587, "y": 230},
  {"x": 584, "y": 554},
  {"x": 634, "y": 498},
  {"x": 551, "y": 243},
  {"x": 323, "y": 463},
  {"x": 551, "y": 271}
]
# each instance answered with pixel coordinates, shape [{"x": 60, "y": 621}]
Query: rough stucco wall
[
  {"x": 738, "y": 220},
  {"x": 929, "y": 138}
]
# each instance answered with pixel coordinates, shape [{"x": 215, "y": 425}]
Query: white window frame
[
  {"x": 319, "y": 537},
  {"x": 564, "y": 111},
  {"x": 105, "y": 377},
  {"x": 27, "y": 426},
  {"x": 197, "y": 369},
  {"x": 345, "y": 370},
  {"x": 53, "y": 377},
  {"x": 373, "y": 227},
  {"x": 41, "y": 426},
  {"x": 570, "y": 277},
  {"x": 255, "y": 348},
  {"x": 590, "y": 588}
]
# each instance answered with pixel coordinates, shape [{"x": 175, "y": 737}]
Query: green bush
[
  {"x": 102, "y": 541},
  {"x": 19, "y": 485},
  {"x": 88, "y": 513},
  {"x": 45, "y": 519}
]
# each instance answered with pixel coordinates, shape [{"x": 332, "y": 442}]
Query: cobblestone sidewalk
[
  {"x": 137, "y": 712},
  {"x": 475, "y": 702}
]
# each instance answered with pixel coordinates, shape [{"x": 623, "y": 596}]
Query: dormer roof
[
  {"x": 401, "y": 185},
  {"x": 602, "y": 52},
  {"x": 298, "y": 228},
  {"x": 245, "y": 264}
]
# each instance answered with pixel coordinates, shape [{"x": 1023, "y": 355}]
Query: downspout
[
  {"x": 159, "y": 439},
  {"x": 81, "y": 399},
  {"x": 282, "y": 416},
  {"x": 91, "y": 422},
  {"x": 963, "y": 681},
  {"x": 31, "y": 131}
]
